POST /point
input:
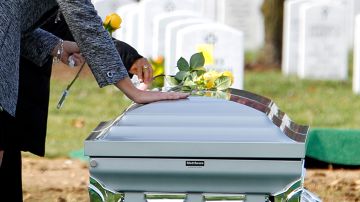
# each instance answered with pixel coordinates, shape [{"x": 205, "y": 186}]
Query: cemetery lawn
[{"x": 320, "y": 104}]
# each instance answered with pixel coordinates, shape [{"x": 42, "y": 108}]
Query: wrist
[
  {"x": 126, "y": 86},
  {"x": 58, "y": 51}
]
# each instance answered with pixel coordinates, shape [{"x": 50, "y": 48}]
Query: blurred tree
[{"x": 273, "y": 20}]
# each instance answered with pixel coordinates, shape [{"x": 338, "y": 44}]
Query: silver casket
[{"x": 236, "y": 146}]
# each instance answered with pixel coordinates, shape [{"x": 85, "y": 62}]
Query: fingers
[
  {"x": 71, "y": 46},
  {"x": 150, "y": 96},
  {"x": 139, "y": 73},
  {"x": 65, "y": 57},
  {"x": 143, "y": 70},
  {"x": 78, "y": 58},
  {"x": 71, "y": 49},
  {"x": 148, "y": 74},
  {"x": 176, "y": 95}
]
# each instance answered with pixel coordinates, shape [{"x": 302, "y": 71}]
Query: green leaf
[
  {"x": 171, "y": 80},
  {"x": 181, "y": 75},
  {"x": 189, "y": 82},
  {"x": 193, "y": 76},
  {"x": 197, "y": 60},
  {"x": 183, "y": 65},
  {"x": 199, "y": 71},
  {"x": 222, "y": 83},
  {"x": 186, "y": 89}
]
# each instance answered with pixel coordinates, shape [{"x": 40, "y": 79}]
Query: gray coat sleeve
[
  {"x": 38, "y": 45},
  {"x": 94, "y": 42}
]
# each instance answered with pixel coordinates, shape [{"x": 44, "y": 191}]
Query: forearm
[{"x": 126, "y": 86}]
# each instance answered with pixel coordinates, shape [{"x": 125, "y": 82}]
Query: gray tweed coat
[{"x": 19, "y": 35}]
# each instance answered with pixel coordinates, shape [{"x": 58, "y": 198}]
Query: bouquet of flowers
[{"x": 192, "y": 76}]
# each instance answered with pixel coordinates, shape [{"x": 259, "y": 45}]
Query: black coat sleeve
[
  {"x": 60, "y": 29},
  {"x": 127, "y": 53}
]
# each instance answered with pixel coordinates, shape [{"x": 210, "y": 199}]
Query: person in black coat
[{"x": 32, "y": 109}]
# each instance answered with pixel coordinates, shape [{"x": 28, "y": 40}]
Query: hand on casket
[{"x": 143, "y": 97}]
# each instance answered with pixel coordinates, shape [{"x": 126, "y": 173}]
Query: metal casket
[{"x": 238, "y": 143}]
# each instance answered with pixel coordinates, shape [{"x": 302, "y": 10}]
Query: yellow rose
[
  {"x": 230, "y": 75},
  {"x": 107, "y": 20},
  {"x": 209, "y": 79},
  {"x": 113, "y": 20}
]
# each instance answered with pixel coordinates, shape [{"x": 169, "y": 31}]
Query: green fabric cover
[
  {"x": 337, "y": 146},
  {"x": 78, "y": 154}
]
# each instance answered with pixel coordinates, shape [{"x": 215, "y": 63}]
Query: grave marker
[
  {"x": 150, "y": 8},
  {"x": 291, "y": 38},
  {"x": 223, "y": 44},
  {"x": 160, "y": 23},
  {"x": 170, "y": 41},
  {"x": 244, "y": 15},
  {"x": 323, "y": 41}
]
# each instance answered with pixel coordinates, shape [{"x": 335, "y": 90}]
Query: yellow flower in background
[
  {"x": 112, "y": 22},
  {"x": 208, "y": 51},
  {"x": 230, "y": 75}
]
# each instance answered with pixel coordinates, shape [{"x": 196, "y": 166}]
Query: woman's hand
[
  {"x": 143, "y": 97},
  {"x": 143, "y": 70},
  {"x": 69, "y": 48}
]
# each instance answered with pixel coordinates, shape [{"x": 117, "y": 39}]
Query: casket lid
[{"x": 237, "y": 124}]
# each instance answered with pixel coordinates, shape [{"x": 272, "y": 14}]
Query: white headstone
[
  {"x": 349, "y": 5},
  {"x": 105, "y": 7},
  {"x": 210, "y": 9},
  {"x": 170, "y": 41},
  {"x": 356, "y": 69},
  {"x": 290, "y": 54},
  {"x": 323, "y": 41},
  {"x": 127, "y": 23},
  {"x": 150, "y": 8},
  {"x": 132, "y": 29},
  {"x": 244, "y": 15},
  {"x": 159, "y": 25},
  {"x": 224, "y": 46},
  {"x": 357, "y": 8}
]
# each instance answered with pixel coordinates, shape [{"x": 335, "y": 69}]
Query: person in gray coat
[{"x": 20, "y": 35}]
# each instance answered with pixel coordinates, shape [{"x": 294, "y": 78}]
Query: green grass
[
  {"x": 85, "y": 107},
  {"x": 329, "y": 104}
]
